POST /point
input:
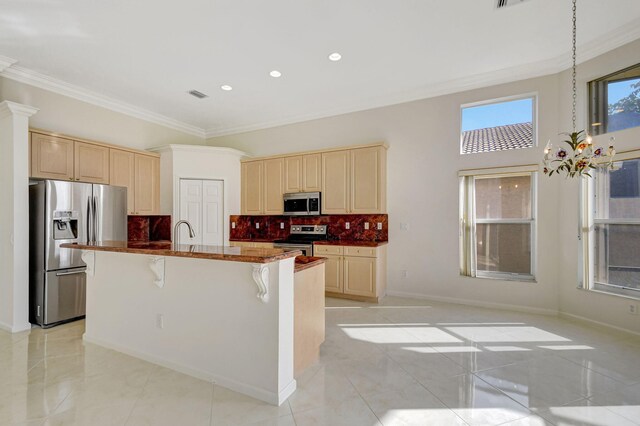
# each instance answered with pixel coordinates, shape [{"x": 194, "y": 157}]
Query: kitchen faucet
[{"x": 176, "y": 235}]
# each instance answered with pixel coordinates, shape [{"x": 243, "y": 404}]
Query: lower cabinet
[{"x": 358, "y": 273}]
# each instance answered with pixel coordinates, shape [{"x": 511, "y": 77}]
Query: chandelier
[{"x": 582, "y": 156}]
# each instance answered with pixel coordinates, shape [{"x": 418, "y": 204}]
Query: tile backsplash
[
  {"x": 149, "y": 228},
  {"x": 269, "y": 227}
]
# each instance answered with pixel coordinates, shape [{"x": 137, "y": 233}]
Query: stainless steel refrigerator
[{"x": 67, "y": 212}]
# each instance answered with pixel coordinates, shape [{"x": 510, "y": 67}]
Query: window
[
  {"x": 616, "y": 229},
  {"x": 498, "y": 125},
  {"x": 614, "y": 101},
  {"x": 498, "y": 226}
]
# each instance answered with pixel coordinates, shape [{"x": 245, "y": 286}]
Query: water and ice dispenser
[{"x": 65, "y": 225}]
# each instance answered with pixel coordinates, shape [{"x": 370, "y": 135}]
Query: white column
[{"x": 14, "y": 216}]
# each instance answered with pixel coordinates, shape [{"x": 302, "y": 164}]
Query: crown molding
[
  {"x": 36, "y": 79},
  {"x": 6, "y": 62},
  {"x": 200, "y": 149}
]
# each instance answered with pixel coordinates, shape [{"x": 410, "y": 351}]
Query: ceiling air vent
[
  {"x": 505, "y": 3},
  {"x": 197, "y": 94}
]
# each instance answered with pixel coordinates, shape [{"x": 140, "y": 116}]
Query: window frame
[
  {"x": 587, "y": 226},
  {"x": 598, "y": 98},
  {"x": 468, "y": 221},
  {"x": 518, "y": 97}
]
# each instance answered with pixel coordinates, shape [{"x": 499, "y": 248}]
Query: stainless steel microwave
[{"x": 302, "y": 204}]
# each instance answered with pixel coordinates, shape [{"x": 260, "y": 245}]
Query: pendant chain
[{"x": 575, "y": 95}]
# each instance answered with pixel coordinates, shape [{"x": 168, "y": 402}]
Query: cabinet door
[
  {"x": 293, "y": 174},
  {"x": 360, "y": 276},
  {"x": 91, "y": 163},
  {"x": 147, "y": 185},
  {"x": 190, "y": 210},
  {"x": 51, "y": 157},
  {"x": 367, "y": 184},
  {"x": 335, "y": 182},
  {"x": 122, "y": 173},
  {"x": 251, "y": 187},
  {"x": 312, "y": 172},
  {"x": 273, "y": 186},
  {"x": 333, "y": 275}
]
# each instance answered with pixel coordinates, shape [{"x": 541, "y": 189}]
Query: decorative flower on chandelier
[{"x": 583, "y": 157}]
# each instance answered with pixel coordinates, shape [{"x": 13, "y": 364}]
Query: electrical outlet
[
  {"x": 281, "y": 225},
  {"x": 379, "y": 226},
  {"x": 405, "y": 274},
  {"x": 160, "y": 321},
  {"x": 347, "y": 225},
  {"x": 233, "y": 225},
  {"x": 257, "y": 225},
  {"x": 633, "y": 309},
  {"x": 366, "y": 225},
  {"x": 404, "y": 226}
]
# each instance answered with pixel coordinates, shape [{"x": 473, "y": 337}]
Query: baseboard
[
  {"x": 600, "y": 323},
  {"x": 480, "y": 304},
  {"x": 261, "y": 394},
  {"x": 14, "y": 329}
]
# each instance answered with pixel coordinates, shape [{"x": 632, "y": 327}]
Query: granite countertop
[
  {"x": 306, "y": 262},
  {"x": 166, "y": 248},
  {"x": 354, "y": 243}
]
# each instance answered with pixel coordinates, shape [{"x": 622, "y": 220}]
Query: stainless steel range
[{"x": 302, "y": 238}]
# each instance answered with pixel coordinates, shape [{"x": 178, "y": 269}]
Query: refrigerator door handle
[
  {"x": 95, "y": 219},
  {"x": 62, "y": 274},
  {"x": 89, "y": 221}
]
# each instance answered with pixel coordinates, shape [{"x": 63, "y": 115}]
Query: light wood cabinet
[
  {"x": 91, "y": 163},
  {"x": 51, "y": 157},
  {"x": 147, "y": 185},
  {"x": 352, "y": 180},
  {"x": 122, "y": 173},
  {"x": 358, "y": 273},
  {"x": 335, "y": 182},
  {"x": 368, "y": 180},
  {"x": 293, "y": 179},
  {"x": 273, "y": 186},
  {"x": 312, "y": 172},
  {"x": 333, "y": 278},
  {"x": 252, "y": 188}
]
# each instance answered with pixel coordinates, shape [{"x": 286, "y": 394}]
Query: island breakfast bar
[{"x": 223, "y": 314}]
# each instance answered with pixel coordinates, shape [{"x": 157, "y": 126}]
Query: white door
[
  {"x": 212, "y": 213},
  {"x": 191, "y": 210},
  {"x": 201, "y": 203}
]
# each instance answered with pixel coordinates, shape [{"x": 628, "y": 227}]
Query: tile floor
[{"x": 403, "y": 362}]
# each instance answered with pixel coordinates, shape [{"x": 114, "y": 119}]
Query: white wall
[
  {"x": 198, "y": 162},
  {"x": 423, "y": 190},
  {"x": 423, "y": 161},
  {"x": 69, "y": 116}
]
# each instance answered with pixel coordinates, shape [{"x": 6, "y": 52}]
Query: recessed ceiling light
[
  {"x": 335, "y": 57},
  {"x": 226, "y": 87},
  {"x": 275, "y": 74}
]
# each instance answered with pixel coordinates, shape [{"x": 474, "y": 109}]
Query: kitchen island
[{"x": 223, "y": 314}]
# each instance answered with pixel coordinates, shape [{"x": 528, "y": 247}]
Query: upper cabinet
[
  {"x": 252, "y": 188},
  {"x": 335, "y": 182},
  {"x": 51, "y": 157},
  {"x": 262, "y": 186},
  {"x": 147, "y": 185},
  {"x": 91, "y": 163},
  {"x": 351, "y": 180},
  {"x": 122, "y": 173},
  {"x": 312, "y": 172},
  {"x": 273, "y": 186},
  {"x": 64, "y": 158}
]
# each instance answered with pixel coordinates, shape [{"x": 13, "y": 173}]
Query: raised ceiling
[{"x": 143, "y": 56}]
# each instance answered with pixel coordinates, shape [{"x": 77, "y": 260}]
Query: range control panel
[{"x": 309, "y": 229}]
